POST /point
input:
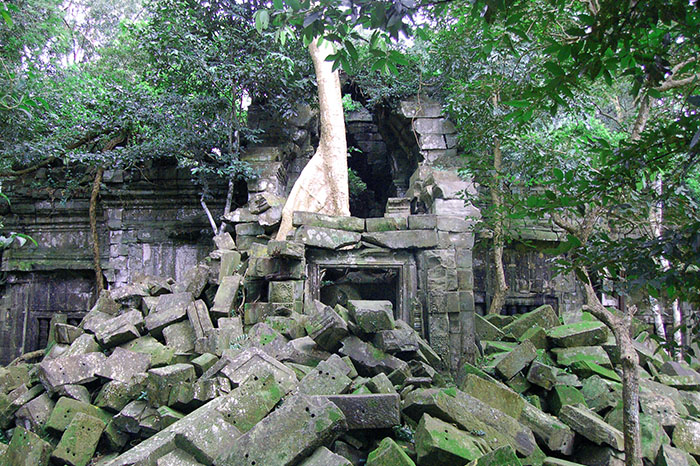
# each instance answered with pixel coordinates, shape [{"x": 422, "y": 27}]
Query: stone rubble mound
[{"x": 179, "y": 373}]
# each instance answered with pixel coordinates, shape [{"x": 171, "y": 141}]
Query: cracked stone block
[
  {"x": 177, "y": 458},
  {"x": 372, "y": 316},
  {"x": 406, "y": 239},
  {"x": 438, "y": 442},
  {"x": 661, "y": 407},
  {"x": 229, "y": 265},
  {"x": 286, "y": 249},
  {"x": 67, "y": 408},
  {"x": 550, "y": 430},
  {"x": 160, "y": 354},
  {"x": 586, "y": 423},
  {"x": 327, "y": 238},
  {"x": 194, "y": 280},
  {"x": 471, "y": 414},
  {"x": 79, "y": 441},
  {"x": 499, "y": 457},
  {"x": 516, "y": 360},
  {"x": 66, "y": 334},
  {"x": 686, "y": 436},
  {"x": 180, "y": 337},
  {"x": 69, "y": 370},
  {"x": 248, "y": 404},
  {"x": 119, "y": 329},
  {"x": 544, "y": 316},
  {"x": 199, "y": 318},
  {"x": 13, "y": 401},
  {"x": 13, "y": 376},
  {"x": 116, "y": 394},
  {"x": 291, "y": 326},
  {"x": 324, "y": 457},
  {"x": 225, "y": 296},
  {"x": 163, "y": 379},
  {"x": 388, "y": 453},
  {"x": 585, "y": 333},
  {"x": 171, "y": 308},
  {"x": 254, "y": 361},
  {"x": 224, "y": 241},
  {"x": 137, "y": 417},
  {"x": 303, "y": 351},
  {"x": 326, "y": 327},
  {"x": 542, "y": 375},
  {"x": 368, "y": 359},
  {"x": 34, "y": 414},
  {"x": 597, "y": 394},
  {"x": 373, "y": 411},
  {"x": 26, "y": 449},
  {"x": 422, "y": 222},
  {"x": 327, "y": 378},
  {"x": 290, "y": 433},
  {"x": 401, "y": 339},
  {"x": 312, "y": 219},
  {"x": 123, "y": 364},
  {"x": 495, "y": 395}
]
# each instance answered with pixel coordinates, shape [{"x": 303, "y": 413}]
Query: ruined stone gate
[{"x": 410, "y": 240}]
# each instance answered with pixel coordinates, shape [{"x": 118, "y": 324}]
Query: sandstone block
[
  {"x": 375, "y": 411},
  {"x": 171, "y": 308},
  {"x": 586, "y": 423},
  {"x": 368, "y": 359},
  {"x": 372, "y": 316},
  {"x": 123, "y": 364},
  {"x": 69, "y": 370},
  {"x": 324, "y": 457},
  {"x": 516, "y": 360},
  {"x": 26, "y": 449},
  {"x": 327, "y": 238},
  {"x": 438, "y": 442},
  {"x": 388, "y": 453},
  {"x": 79, "y": 441},
  {"x": 406, "y": 239},
  {"x": 326, "y": 327}
]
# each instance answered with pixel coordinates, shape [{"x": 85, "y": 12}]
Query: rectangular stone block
[
  {"x": 454, "y": 223},
  {"x": 372, "y": 316},
  {"x": 26, "y": 449},
  {"x": 162, "y": 380},
  {"x": 447, "y": 239},
  {"x": 79, "y": 441},
  {"x": 327, "y": 238},
  {"x": 226, "y": 296},
  {"x": 289, "y": 434},
  {"x": 516, "y": 360},
  {"x": 67, "y": 408},
  {"x": 254, "y": 362},
  {"x": 119, "y": 329},
  {"x": 588, "y": 424},
  {"x": 387, "y": 223},
  {"x": 554, "y": 433},
  {"x": 328, "y": 221},
  {"x": 406, "y": 239},
  {"x": 199, "y": 318},
  {"x": 368, "y": 359},
  {"x": 285, "y": 291},
  {"x": 326, "y": 327},
  {"x": 171, "y": 308},
  {"x": 123, "y": 364},
  {"x": 438, "y": 442},
  {"x": 422, "y": 222},
  {"x": 375, "y": 411},
  {"x": 70, "y": 370},
  {"x": 286, "y": 249},
  {"x": 494, "y": 394},
  {"x": 327, "y": 378}
]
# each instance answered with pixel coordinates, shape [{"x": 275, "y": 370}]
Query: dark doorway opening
[{"x": 340, "y": 284}]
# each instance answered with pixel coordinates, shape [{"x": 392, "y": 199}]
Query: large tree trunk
[{"x": 322, "y": 186}]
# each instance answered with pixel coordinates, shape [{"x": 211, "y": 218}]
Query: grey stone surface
[
  {"x": 324, "y": 457},
  {"x": 123, "y": 364},
  {"x": 407, "y": 239},
  {"x": 375, "y": 411},
  {"x": 588, "y": 424},
  {"x": 171, "y": 308},
  {"x": 289, "y": 434},
  {"x": 368, "y": 359},
  {"x": 328, "y": 221},
  {"x": 70, "y": 370},
  {"x": 372, "y": 316},
  {"x": 326, "y": 327},
  {"x": 327, "y": 238}
]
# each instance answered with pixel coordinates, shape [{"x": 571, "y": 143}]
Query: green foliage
[
  {"x": 350, "y": 105},
  {"x": 355, "y": 184}
]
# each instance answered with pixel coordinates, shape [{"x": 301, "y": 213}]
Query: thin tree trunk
[
  {"x": 677, "y": 333},
  {"x": 212, "y": 222},
  {"x": 630, "y": 376},
  {"x": 501, "y": 286},
  {"x": 322, "y": 186},
  {"x": 97, "y": 265}
]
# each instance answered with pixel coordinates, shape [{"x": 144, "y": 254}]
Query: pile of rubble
[{"x": 171, "y": 373}]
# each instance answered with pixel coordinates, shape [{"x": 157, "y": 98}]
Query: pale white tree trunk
[{"x": 322, "y": 186}]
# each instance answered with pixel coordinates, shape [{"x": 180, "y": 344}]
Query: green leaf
[
  {"x": 6, "y": 15},
  {"x": 294, "y": 4},
  {"x": 553, "y": 68},
  {"x": 262, "y": 20},
  {"x": 655, "y": 93},
  {"x": 558, "y": 174},
  {"x": 397, "y": 57},
  {"x": 379, "y": 64},
  {"x": 351, "y": 50},
  {"x": 516, "y": 103},
  {"x": 278, "y": 4}
]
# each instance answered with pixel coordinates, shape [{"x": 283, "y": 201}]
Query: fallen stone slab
[
  {"x": 120, "y": 329},
  {"x": 193, "y": 281},
  {"x": 137, "y": 417},
  {"x": 252, "y": 362},
  {"x": 686, "y": 436},
  {"x": 303, "y": 351},
  {"x": 598, "y": 394},
  {"x": 372, "y": 316},
  {"x": 542, "y": 375},
  {"x": 549, "y": 461},
  {"x": 180, "y": 336},
  {"x": 248, "y": 404},
  {"x": 500, "y": 457},
  {"x": 116, "y": 394},
  {"x": 162, "y": 380},
  {"x": 586, "y": 423},
  {"x": 290, "y": 433},
  {"x": 661, "y": 407},
  {"x": 584, "y": 333},
  {"x": 404, "y": 239},
  {"x": 326, "y": 238},
  {"x": 485, "y": 330},
  {"x": 66, "y": 334},
  {"x": 123, "y": 364},
  {"x": 70, "y": 370},
  {"x": 438, "y": 442},
  {"x": 556, "y": 435},
  {"x": 226, "y": 296},
  {"x": 34, "y": 414},
  {"x": 470, "y": 413},
  {"x": 516, "y": 360},
  {"x": 327, "y": 378},
  {"x": 66, "y": 409},
  {"x": 199, "y": 318},
  {"x": 670, "y": 456},
  {"x": 569, "y": 356},
  {"x": 388, "y": 453},
  {"x": 368, "y": 359},
  {"x": 26, "y": 449},
  {"x": 537, "y": 336},
  {"x": 375, "y": 411},
  {"x": 160, "y": 354},
  {"x": 324, "y": 457},
  {"x": 495, "y": 395},
  {"x": 13, "y": 401},
  {"x": 544, "y": 316},
  {"x": 79, "y": 441},
  {"x": 652, "y": 434},
  {"x": 401, "y": 339},
  {"x": 171, "y": 308},
  {"x": 177, "y": 458},
  {"x": 286, "y": 249},
  {"x": 326, "y": 327}
]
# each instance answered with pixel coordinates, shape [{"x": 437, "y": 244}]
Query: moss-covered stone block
[
  {"x": 438, "y": 442},
  {"x": 388, "y": 453},
  {"x": 26, "y": 449},
  {"x": 562, "y": 395},
  {"x": 79, "y": 441}
]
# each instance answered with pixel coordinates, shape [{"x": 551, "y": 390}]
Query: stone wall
[{"x": 149, "y": 221}]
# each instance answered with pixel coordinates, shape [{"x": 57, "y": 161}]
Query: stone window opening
[{"x": 338, "y": 285}]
